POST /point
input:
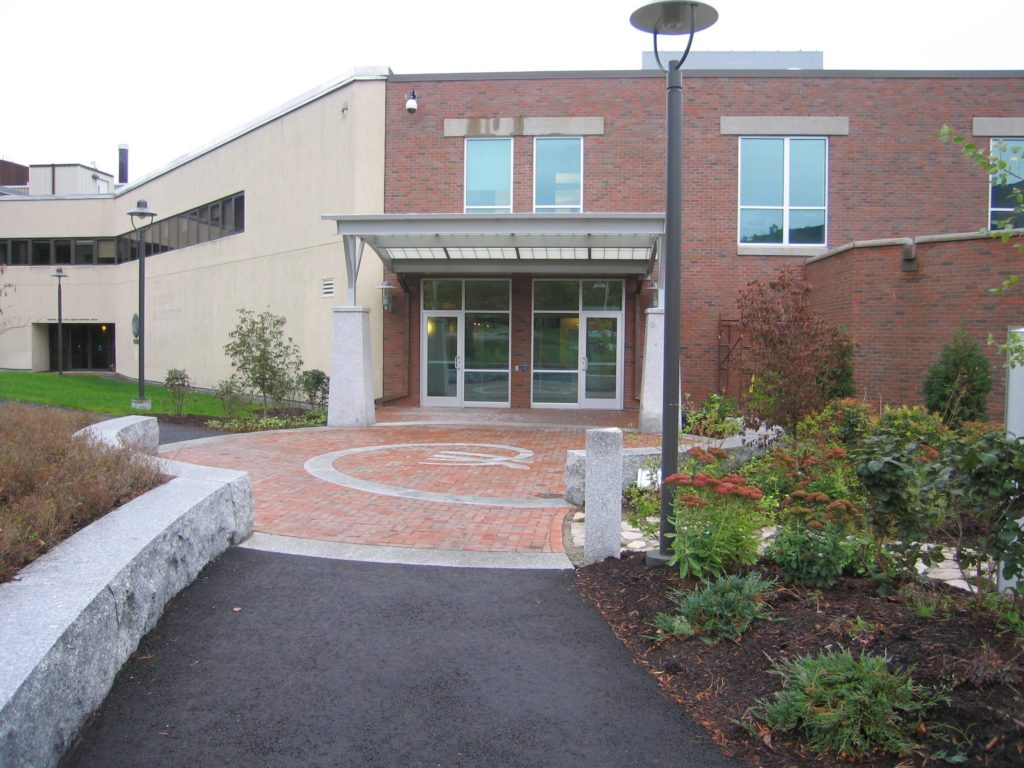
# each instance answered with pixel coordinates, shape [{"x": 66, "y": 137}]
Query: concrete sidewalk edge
[{"x": 450, "y": 558}]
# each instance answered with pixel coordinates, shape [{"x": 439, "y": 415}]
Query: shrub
[
  {"x": 229, "y": 393},
  {"x": 957, "y": 386},
  {"x": 795, "y": 354},
  {"x": 850, "y": 706},
  {"x": 642, "y": 508},
  {"x": 178, "y": 385},
  {"x": 53, "y": 483},
  {"x": 812, "y": 553},
  {"x": 836, "y": 380},
  {"x": 264, "y": 360},
  {"x": 717, "y": 417},
  {"x": 904, "y": 509},
  {"x": 843, "y": 422},
  {"x": 985, "y": 491},
  {"x": 315, "y": 385},
  {"x": 722, "y": 609},
  {"x": 717, "y": 522}
]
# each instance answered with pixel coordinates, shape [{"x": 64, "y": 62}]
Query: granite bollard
[{"x": 603, "y": 494}]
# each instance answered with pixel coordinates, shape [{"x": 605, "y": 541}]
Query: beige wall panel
[
  {"x": 33, "y": 304},
  {"x": 327, "y": 157},
  {"x": 42, "y": 217}
]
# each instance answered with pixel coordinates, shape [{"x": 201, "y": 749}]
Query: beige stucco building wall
[{"x": 326, "y": 156}]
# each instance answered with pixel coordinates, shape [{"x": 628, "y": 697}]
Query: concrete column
[
  {"x": 350, "y": 400},
  {"x": 1014, "y": 426},
  {"x": 653, "y": 380},
  {"x": 603, "y": 503}
]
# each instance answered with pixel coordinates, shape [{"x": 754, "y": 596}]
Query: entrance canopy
[{"x": 577, "y": 244}]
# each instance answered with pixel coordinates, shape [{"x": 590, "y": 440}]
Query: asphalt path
[
  {"x": 283, "y": 660},
  {"x": 176, "y": 433}
]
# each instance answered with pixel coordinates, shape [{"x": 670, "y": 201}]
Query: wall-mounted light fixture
[
  {"x": 411, "y": 104},
  {"x": 385, "y": 296}
]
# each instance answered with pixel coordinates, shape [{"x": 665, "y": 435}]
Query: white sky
[{"x": 79, "y": 77}]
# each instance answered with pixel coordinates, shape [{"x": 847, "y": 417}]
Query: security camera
[{"x": 410, "y": 103}]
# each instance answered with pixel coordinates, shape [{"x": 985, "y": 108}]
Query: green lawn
[{"x": 99, "y": 394}]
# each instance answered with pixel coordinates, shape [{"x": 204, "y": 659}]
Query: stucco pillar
[
  {"x": 350, "y": 400},
  {"x": 652, "y": 381}
]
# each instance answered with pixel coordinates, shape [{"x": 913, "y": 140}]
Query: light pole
[
  {"x": 59, "y": 274},
  {"x": 679, "y": 17},
  {"x": 141, "y": 218}
]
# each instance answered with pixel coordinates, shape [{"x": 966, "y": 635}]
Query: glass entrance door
[
  {"x": 577, "y": 344},
  {"x": 600, "y": 362},
  {"x": 466, "y": 343},
  {"x": 442, "y": 364}
]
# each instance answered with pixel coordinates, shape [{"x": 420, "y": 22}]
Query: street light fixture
[
  {"x": 679, "y": 17},
  {"x": 59, "y": 274},
  {"x": 142, "y": 217}
]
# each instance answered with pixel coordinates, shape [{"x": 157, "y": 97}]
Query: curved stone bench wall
[{"x": 72, "y": 618}]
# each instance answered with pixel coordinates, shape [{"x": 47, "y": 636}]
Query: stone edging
[
  {"x": 74, "y": 616},
  {"x": 742, "y": 447}
]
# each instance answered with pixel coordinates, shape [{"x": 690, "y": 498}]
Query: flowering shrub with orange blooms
[{"x": 717, "y": 522}]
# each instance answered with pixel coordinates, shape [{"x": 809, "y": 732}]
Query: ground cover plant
[
  {"x": 849, "y": 656},
  {"x": 52, "y": 483}
]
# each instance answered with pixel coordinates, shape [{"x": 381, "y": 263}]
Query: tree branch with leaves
[{"x": 1004, "y": 164}]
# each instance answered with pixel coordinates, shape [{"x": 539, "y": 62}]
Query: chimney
[{"x": 122, "y": 163}]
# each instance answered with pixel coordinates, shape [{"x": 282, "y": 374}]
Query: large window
[
  {"x": 207, "y": 222},
  {"x": 558, "y": 175},
  {"x": 1007, "y": 187},
  {"x": 488, "y": 175},
  {"x": 783, "y": 183}
]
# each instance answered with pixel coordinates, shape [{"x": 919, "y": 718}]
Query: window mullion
[{"x": 785, "y": 191}]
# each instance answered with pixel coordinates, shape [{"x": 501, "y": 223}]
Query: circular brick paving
[
  {"x": 431, "y": 472},
  {"x": 520, "y": 464}
]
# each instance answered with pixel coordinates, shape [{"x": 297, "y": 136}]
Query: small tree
[
  {"x": 794, "y": 354},
  {"x": 265, "y": 361},
  {"x": 957, "y": 386},
  {"x": 178, "y": 385},
  {"x": 315, "y": 385}
]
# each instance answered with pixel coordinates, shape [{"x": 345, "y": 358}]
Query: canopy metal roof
[{"x": 598, "y": 243}]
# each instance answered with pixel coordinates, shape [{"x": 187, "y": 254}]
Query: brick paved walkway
[{"x": 492, "y": 485}]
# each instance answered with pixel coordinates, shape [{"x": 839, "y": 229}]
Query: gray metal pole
[
  {"x": 60, "y": 328},
  {"x": 670, "y": 266},
  {"x": 142, "y": 314}
]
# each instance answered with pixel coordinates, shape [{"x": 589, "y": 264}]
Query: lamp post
[
  {"x": 142, "y": 217},
  {"x": 59, "y": 274},
  {"x": 679, "y": 17}
]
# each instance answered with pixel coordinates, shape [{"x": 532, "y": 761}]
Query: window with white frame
[
  {"x": 783, "y": 183},
  {"x": 1007, "y": 186},
  {"x": 558, "y": 175},
  {"x": 488, "y": 176}
]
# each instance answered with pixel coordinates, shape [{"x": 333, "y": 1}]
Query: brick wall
[
  {"x": 890, "y": 177},
  {"x": 900, "y": 321}
]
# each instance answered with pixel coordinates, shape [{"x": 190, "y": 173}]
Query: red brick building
[{"x": 779, "y": 167}]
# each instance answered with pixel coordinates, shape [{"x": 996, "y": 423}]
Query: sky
[{"x": 79, "y": 77}]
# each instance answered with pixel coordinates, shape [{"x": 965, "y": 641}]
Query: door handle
[
  {"x": 583, "y": 364},
  {"x": 458, "y": 362}
]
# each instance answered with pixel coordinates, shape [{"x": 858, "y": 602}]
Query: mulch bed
[{"x": 978, "y": 666}]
